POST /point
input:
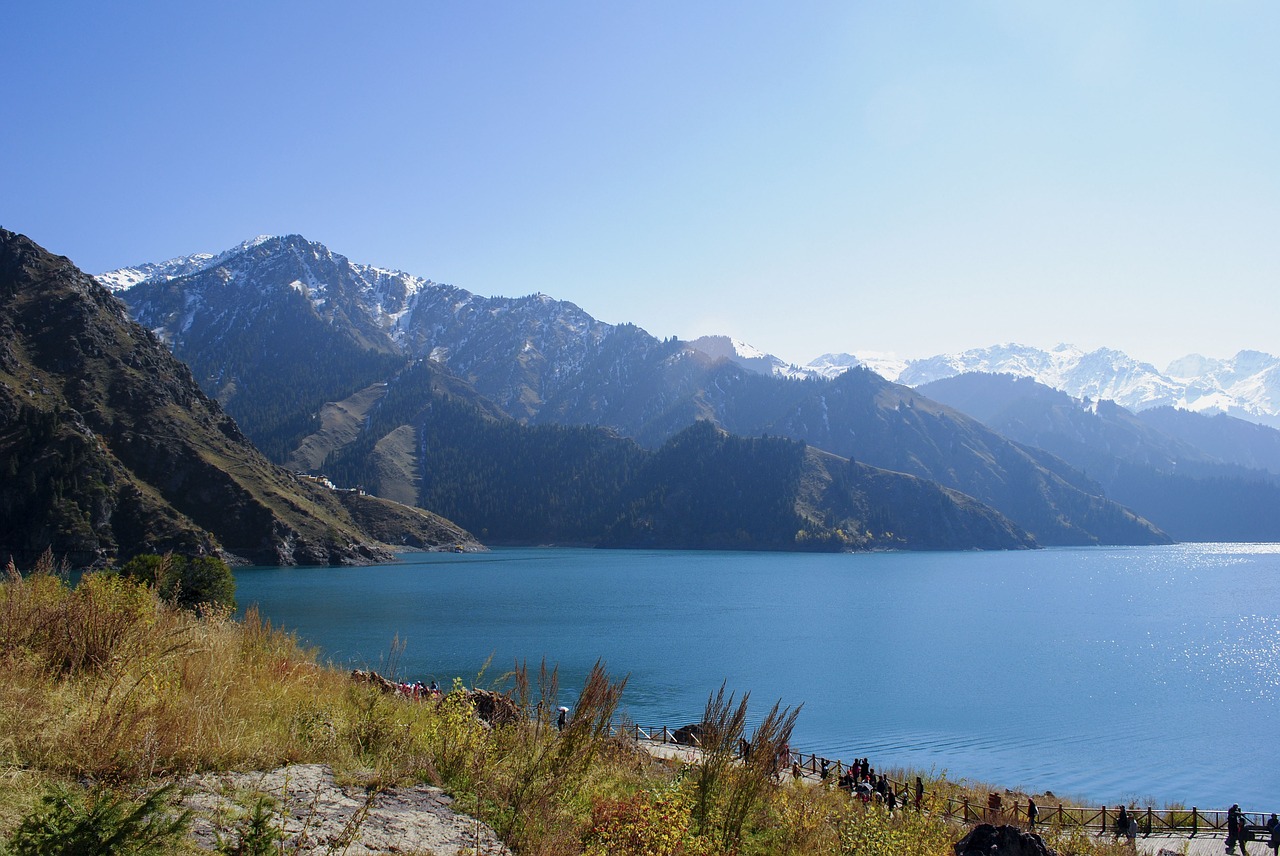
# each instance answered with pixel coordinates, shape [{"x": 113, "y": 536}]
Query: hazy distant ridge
[{"x": 1246, "y": 386}]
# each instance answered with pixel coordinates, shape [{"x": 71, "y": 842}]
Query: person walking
[
  {"x": 1122, "y": 823},
  {"x": 1033, "y": 812},
  {"x": 1235, "y": 830}
]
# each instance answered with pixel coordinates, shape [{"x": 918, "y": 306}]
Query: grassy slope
[{"x": 340, "y": 424}]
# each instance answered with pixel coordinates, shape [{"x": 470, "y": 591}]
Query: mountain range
[
  {"x": 1246, "y": 385},
  {"x": 529, "y": 421},
  {"x": 300, "y": 345},
  {"x": 109, "y": 448},
  {"x": 1199, "y": 478}
]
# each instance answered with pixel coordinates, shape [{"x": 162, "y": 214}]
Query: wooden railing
[{"x": 997, "y": 810}]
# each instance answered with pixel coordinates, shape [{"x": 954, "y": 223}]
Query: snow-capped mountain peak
[
  {"x": 747, "y": 356},
  {"x": 127, "y": 277},
  {"x": 1246, "y": 386},
  {"x": 888, "y": 366}
]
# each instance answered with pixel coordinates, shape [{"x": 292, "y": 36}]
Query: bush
[
  {"x": 644, "y": 824},
  {"x": 67, "y": 823},
  {"x": 187, "y": 581}
]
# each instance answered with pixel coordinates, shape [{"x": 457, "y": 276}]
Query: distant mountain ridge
[
  {"x": 1171, "y": 466},
  {"x": 1246, "y": 386}
]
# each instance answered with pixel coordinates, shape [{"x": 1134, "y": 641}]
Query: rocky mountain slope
[{"x": 110, "y": 448}]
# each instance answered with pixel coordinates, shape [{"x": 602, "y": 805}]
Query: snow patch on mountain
[
  {"x": 127, "y": 277},
  {"x": 748, "y": 356},
  {"x": 886, "y": 365}
]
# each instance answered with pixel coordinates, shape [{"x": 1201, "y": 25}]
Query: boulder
[
  {"x": 494, "y": 708},
  {"x": 374, "y": 679},
  {"x": 688, "y": 735},
  {"x": 988, "y": 840}
]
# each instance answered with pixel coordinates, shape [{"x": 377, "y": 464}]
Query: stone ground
[{"x": 319, "y": 816}]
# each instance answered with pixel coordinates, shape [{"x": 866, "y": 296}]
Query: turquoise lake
[{"x": 1100, "y": 674}]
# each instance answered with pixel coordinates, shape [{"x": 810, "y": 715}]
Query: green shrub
[
  {"x": 258, "y": 831},
  {"x": 186, "y": 580},
  {"x": 69, "y": 823}
]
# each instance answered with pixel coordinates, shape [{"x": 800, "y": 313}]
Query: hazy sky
[{"x": 809, "y": 177}]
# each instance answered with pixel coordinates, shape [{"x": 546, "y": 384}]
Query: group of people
[
  {"x": 418, "y": 692},
  {"x": 1126, "y": 826},
  {"x": 1238, "y": 831},
  {"x": 861, "y": 781}
]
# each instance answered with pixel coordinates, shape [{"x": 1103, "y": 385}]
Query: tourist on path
[
  {"x": 1032, "y": 813},
  {"x": 1122, "y": 823},
  {"x": 1235, "y": 830}
]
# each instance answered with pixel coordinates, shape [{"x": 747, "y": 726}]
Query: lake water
[{"x": 1099, "y": 673}]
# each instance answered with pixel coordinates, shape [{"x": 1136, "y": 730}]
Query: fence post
[
  {"x": 1195, "y": 821},
  {"x": 1149, "y": 822},
  {"x": 664, "y": 734},
  {"x": 1062, "y": 817},
  {"x": 965, "y": 808},
  {"x": 1104, "y": 820}
]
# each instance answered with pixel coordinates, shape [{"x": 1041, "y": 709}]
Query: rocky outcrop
[
  {"x": 373, "y": 679},
  {"x": 988, "y": 840},
  {"x": 316, "y": 815},
  {"x": 494, "y": 708}
]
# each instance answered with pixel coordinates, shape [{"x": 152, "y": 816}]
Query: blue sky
[{"x": 810, "y": 177}]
